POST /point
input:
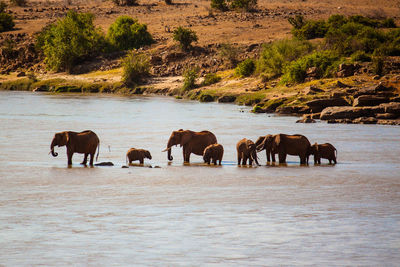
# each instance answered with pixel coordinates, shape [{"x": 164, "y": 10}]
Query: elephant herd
[{"x": 204, "y": 144}]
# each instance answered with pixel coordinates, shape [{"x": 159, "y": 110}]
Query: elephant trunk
[
  {"x": 256, "y": 158},
  {"x": 170, "y": 158},
  {"x": 54, "y": 154}
]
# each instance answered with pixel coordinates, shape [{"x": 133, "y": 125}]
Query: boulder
[
  {"x": 227, "y": 99},
  {"x": 369, "y": 100},
  {"x": 392, "y": 107},
  {"x": 346, "y": 70},
  {"x": 389, "y": 122},
  {"x": 365, "y": 120},
  {"x": 341, "y": 113},
  {"x": 312, "y": 90},
  {"x": 306, "y": 120},
  {"x": 319, "y": 104},
  {"x": 386, "y": 116}
]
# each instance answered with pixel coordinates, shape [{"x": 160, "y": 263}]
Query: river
[{"x": 189, "y": 215}]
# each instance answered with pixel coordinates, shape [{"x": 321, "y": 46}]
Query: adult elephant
[
  {"x": 192, "y": 142},
  {"x": 283, "y": 145},
  {"x": 265, "y": 142},
  {"x": 84, "y": 142}
]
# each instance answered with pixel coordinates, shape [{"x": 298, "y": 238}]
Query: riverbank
[{"x": 361, "y": 99}]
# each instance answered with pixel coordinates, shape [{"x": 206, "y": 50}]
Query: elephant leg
[
  {"x": 141, "y": 160},
  {"x": 239, "y": 158},
  {"x": 250, "y": 161},
  {"x": 215, "y": 161},
  {"x": 282, "y": 157},
  {"x": 315, "y": 160},
  {"x": 244, "y": 161},
  {"x": 268, "y": 156},
  {"x": 273, "y": 157},
  {"x": 91, "y": 158},
  {"x": 85, "y": 159},
  {"x": 69, "y": 155},
  {"x": 334, "y": 160}
]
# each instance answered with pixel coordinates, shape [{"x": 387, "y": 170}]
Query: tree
[{"x": 185, "y": 37}]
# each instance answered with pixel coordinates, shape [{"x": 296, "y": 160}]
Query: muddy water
[{"x": 347, "y": 214}]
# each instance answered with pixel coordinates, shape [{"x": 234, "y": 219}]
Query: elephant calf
[
  {"x": 326, "y": 151},
  {"x": 213, "y": 153},
  {"x": 246, "y": 150},
  {"x": 137, "y": 154}
]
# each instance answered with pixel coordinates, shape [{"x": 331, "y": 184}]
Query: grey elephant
[
  {"x": 85, "y": 142},
  {"x": 246, "y": 150},
  {"x": 326, "y": 151},
  {"x": 137, "y": 154}
]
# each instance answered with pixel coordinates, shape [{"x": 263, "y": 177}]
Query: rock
[
  {"x": 332, "y": 121},
  {"x": 42, "y": 88},
  {"x": 311, "y": 73},
  {"x": 386, "y": 116},
  {"x": 342, "y": 85},
  {"x": 124, "y": 167},
  {"x": 312, "y": 90},
  {"x": 319, "y": 104},
  {"x": 395, "y": 99},
  {"x": 376, "y": 77},
  {"x": 382, "y": 88},
  {"x": 365, "y": 120},
  {"x": 341, "y": 113},
  {"x": 21, "y": 74},
  {"x": 206, "y": 98},
  {"x": 338, "y": 94},
  {"x": 173, "y": 56},
  {"x": 369, "y": 100},
  {"x": 107, "y": 163},
  {"x": 306, "y": 120},
  {"x": 227, "y": 99},
  {"x": 389, "y": 122},
  {"x": 346, "y": 70},
  {"x": 156, "y": 60},
  {"x": 392, "y": 107}
]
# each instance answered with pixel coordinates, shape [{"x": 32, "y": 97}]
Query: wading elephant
[
  {"x": 192, "y": 142},
  {"x": 213, "y": 153},
  {"x": 137, "y": 154},
  {"x": 246, "y": 149},
  {"x": 265, "y": 142},
  {"x": 84, "y": 142},
  {"x": 326, "y": 151},
  {"x": 283, "y": 145}
]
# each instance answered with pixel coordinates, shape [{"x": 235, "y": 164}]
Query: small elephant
[
  {"x": 85, "y": 142},
  {"x": 246, "y": 149},
  {"x": 213, "y": 153},
  {"x": 326, "y": 151},
  {"x": 137, "y": 154}
]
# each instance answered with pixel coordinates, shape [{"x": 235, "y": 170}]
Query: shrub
[
  {"x": 168, "y": 2},
  {"x": 127, "y": 33},
  {"x": 3, "y": 6},
  {"x": 70, "y": 41},
  {"x": 243, "y": 4},
  {"x": 360, "y": 56},
  {"x": 378, "y": 64},
  {"x": 210, "y": 78},
  {"x": 337, "y": 21},
  {"x": 136, "y": 67},
  {"x": 189, "y": 79},
  {"x": 219, "y": 4},
  {"x": 18, "y": 2},
  {"x": 229, "y": 52},
  {"x": 275, "y": 56},
  {"x": 311, "y": 29},
  {"x": 185, "y": 37},
  {"x": 388, "y": 23},
  {"x": 125, "y": 2},
  {"x": 245, "y": 68},
  {"x": 297, "y": 21},
  {"x": 364, "y": 21},
  {"x": 325, "y": 62},
  {"x": 6, "y": 22}
]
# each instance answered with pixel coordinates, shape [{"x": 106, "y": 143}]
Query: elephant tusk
[{"x": 166, "y": 149}]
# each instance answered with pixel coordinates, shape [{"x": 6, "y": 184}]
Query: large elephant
[
  {"x": 192, "y": 142},
  {"x": 326, "y": 151},
  {"x": 265, "y": 142},
  {"x": 246, "y": 150},
  {"x": 85, "y": 142},
  {"x": 283, "y": 145}
]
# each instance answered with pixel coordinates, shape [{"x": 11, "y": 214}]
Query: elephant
[
  {"x": 137, "y": 154},
  {"x": 213, "y": 153},
  {"x": 326, "y": 151},
  {"x": 84, "y": 142},
  {"x": 246, "y": 149},
  {"x": 265, "y": 142},
  {"x": 192, "y": 142},
  {"x": 283, "y": 145}
]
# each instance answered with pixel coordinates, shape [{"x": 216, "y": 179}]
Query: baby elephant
[
  {"x": 213, "y": 153},
  {"x": 137, "y": 154},
  {"x": 246, "y": 150},
  {"x": 326, "y": 151}
]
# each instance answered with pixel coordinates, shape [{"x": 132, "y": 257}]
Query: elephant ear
[
  {"x": 316, "y": 147},
  {"x": 185, "y": 138},
  {"x": 278, "y": 140},
  {"x": 252, "y": 146}
]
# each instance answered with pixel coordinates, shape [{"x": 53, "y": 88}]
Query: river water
[{"x": 190, "y": 215}]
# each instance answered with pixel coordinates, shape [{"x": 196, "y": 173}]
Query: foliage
[
  {"x": 189, "y": 79},
  {"x": 210, "y": 78},
  {"x": 325, "y": 62},
  {"x": 245, "y": 68},
  {"x": 127, "y": 33},
  {"x": 168, "y": 2},
  {"x": 275, "y": 56},
  {"x": 125, "y": 2},
  {"x": 378, "y": 64},
  {"x": 360, "y": 56},
  {"x": 6, "y": 22},
  {"x": 243, "y": 4},
  {"x": 219, "y": 4},
  {"x": 18, "y": 2},
  {"x": 136, "y": 67},
  {"x": 229, "y": 52},
  {"x": 3, "y": 7},
  {"x": 70, "y": 41},
  {"x": 185, "y": 37},
  {"x": 311, "y": 29},
  {"x": 297, "y": 21}
]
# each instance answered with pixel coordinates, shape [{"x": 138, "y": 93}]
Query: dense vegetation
[
  {"x": 354, "y": 38},
  {"x": 224, "y": 5},
  {"x": 6, "y": 20},
  {"x": 136, "y": 67},
  {"x": 185, "y": 37},
  {"x": 189, "y": 79}
]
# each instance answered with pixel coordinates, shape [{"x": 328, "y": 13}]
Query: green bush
[
  {"x": 127, "y": 33},
  {"x": 229, "y": 52},
  {"x": 136, "y": 67},
  {"x": 185, "y": 37},
  {"x": 388, "y": 23},
  {"x": 337, "y": 21},
  {"x": 312, "y": 29},
  {"x": 243, "y": 4},
  {"x": 18, "y": 2},
  {"x": 297, "y": 21},
  {"x": 70, "y": 41},
  {"x": 210, "y": 78},
  {"x": 6, "y": 22},
  {"x": 3, "y": 6},
  {"x": 125, "y": 2},
  {"x": 275, "y": 56},
  {"x": 245, "y": 68},
  {"x": 189, "y": 79},
  {"x": 378, "y": 64},
  {"x": 326, "y": 63},
  {"x": 219, "y": 4},
  {"x": 360, "y": 56}
]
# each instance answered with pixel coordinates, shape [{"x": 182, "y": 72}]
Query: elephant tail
[
  {"x": 336, "y": 153},
  {"x": 98, "y": 151}
]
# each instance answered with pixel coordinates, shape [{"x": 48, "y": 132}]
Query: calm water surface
[{"x": 176, "y": 215}]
